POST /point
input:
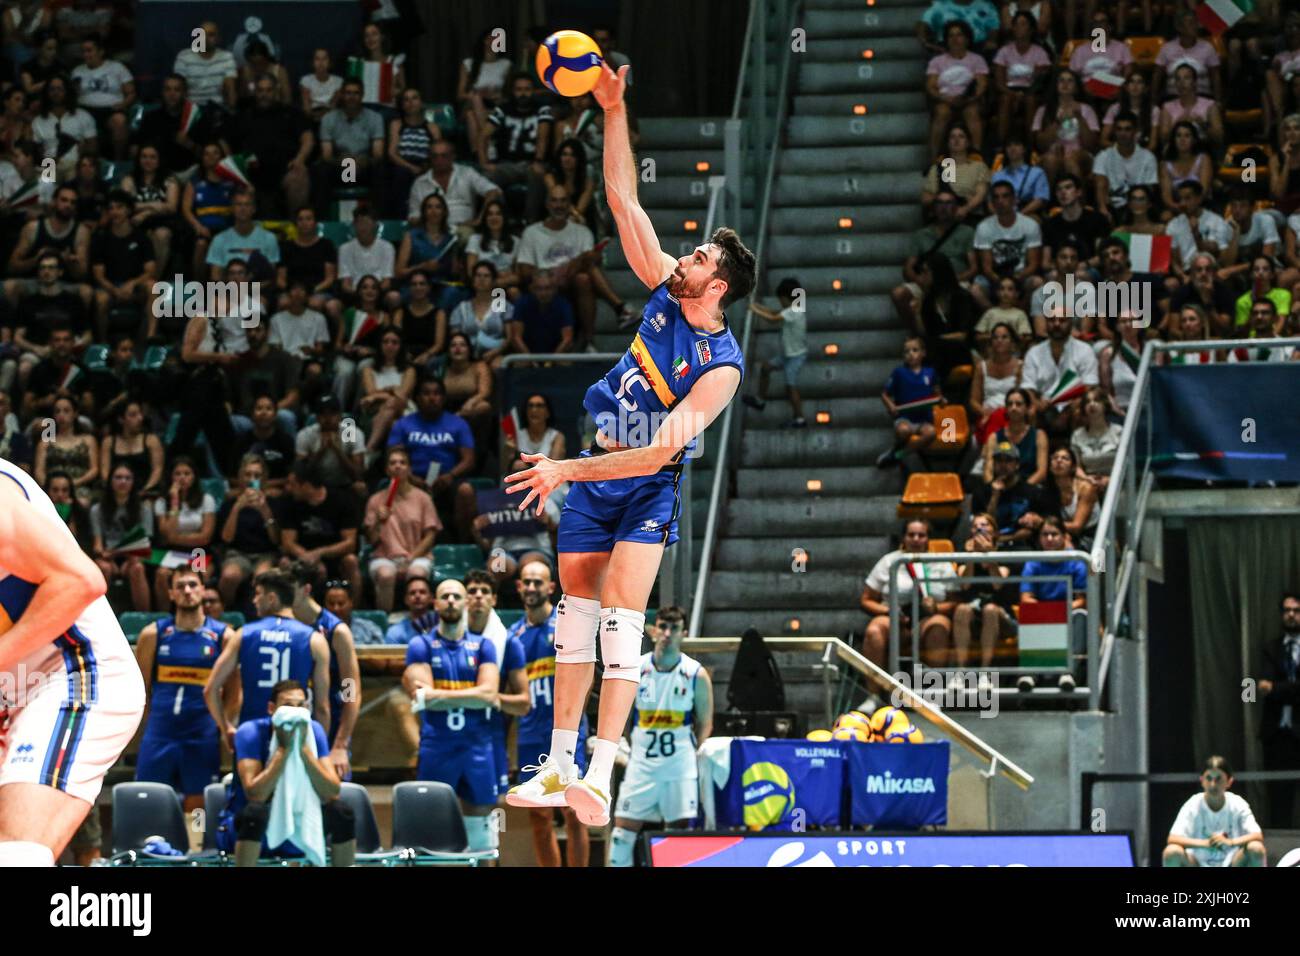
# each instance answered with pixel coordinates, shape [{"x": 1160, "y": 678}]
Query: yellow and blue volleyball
[
  {"x": 819, "y": 736},
  {"x": 768, "y": 793},
  {"x": 903, "y": 734},
  {"x": 886, "y": 720},
  {"x": 854, "y": 718},
  {"x": 851, "y": 732},
  {"x": 568, "y": 63}
]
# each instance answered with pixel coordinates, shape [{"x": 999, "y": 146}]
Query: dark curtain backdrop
[
  {"x": 685, "y": 54},
  {"x": 1239, "y": 569}
]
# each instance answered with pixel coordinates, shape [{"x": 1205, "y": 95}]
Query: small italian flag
[
  {"x": 28, "y": 194},
  {"x": 680, "y": 367},
  {"x": 1104, "y": 85},
  {"x": 376, "y": 78},
  {"x": 135, "y": 542},
  {"x": 1044, "y": 634},
  {"x": 929, "y": 402},
  {"x": 1147, "y": 253},
  {"x": 190, "y": 114},
  {"x": 1220, "y": 15},
  {"x": 70, "y": 375},
  {"x": 1132, "y": 358},
  {"x": 1067, "y": 388},
  {"x": 360, "y": 324},
  {"x": 1192, "y": 358},
  {"x": 235, "y": 168}
]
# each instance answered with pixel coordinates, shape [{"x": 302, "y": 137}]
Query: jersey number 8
[{"x": 456, "y": 719}]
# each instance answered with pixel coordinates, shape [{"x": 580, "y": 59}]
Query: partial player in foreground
[
  {"x": 74, "y": 696},
  {"x": 683, "y": 367}
]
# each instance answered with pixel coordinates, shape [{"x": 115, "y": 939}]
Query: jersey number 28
[{"x": 667, "y": 744}]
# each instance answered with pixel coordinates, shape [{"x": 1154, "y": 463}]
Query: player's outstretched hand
[
  {"x": 609, "y": 88},
  {"x": 540, "y": 480}
]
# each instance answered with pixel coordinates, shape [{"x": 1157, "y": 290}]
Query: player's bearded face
[{"x": 691, "y": 283}]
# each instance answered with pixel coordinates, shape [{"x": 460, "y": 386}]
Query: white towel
[
  {"x": 496, "y": 632},
  {"x": 295, "y": 805},
  {"x": 714, "y": 762}
]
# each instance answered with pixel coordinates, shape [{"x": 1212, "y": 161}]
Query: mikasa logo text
[
  {"x": 77, "y": 909},
  {"x": 888, "y": 783}
]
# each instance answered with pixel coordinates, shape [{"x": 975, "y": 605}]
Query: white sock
[
  {"x": 481, "y": 833},
  {"x": 25, "y": 853},
  {"x": 564, "y": 744},
  {"x": 602, "y": 764}
]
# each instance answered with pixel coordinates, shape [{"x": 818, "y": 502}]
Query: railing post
[
  {"x": 733, "y": 167},
  {"x": 1096, "y": 614},
  {"x": 758, "y": 95}
]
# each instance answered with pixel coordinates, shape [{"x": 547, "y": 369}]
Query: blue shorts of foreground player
[
  {"x": 187, "y": 764},
  {"x": 470, "y": 771},
  {"x": 597, "y": 514}
]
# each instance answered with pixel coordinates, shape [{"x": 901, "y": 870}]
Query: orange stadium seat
[
  {"x": 941, "y": 546},
  {"x": 933, "y": 495},
  {"x": 1145, "y": 49},
  {"x": 950, "y": 421},
  {"x": 1067, "y": 52}
]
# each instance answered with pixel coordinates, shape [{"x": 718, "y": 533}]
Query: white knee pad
[
  {"x": 621, "y": 632},
  {"x": 482, "y": 832},
  {"x": 621, "y": 844},
  {"x": 576, "y": 621},
  {"x": 25, "y": 853}
]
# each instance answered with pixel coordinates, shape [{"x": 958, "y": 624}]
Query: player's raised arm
[
  {"x": 36, "y": 548},
  {"x": 640, "y": 244}
]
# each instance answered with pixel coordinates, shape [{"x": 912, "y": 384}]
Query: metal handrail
[
  {"x": 729, "y": 417},
  {"x": 739, "y": 98}
]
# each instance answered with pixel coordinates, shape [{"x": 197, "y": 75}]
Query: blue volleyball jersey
[
  {"x": 273, "y": 649},
  {"x": 665, "y": 359},
  {"x": 512, "y": 658},
  {"x": 182, "y": 665},
  {"x": 538, "y": 642},
  {"x": 455, "y": 666},
  {"x": 326, "y": 622}
]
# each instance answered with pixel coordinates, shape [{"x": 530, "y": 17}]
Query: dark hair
[
  {"x": 480, "y": 576},
  {"x": 1033, "y": 20},
  {"x": 402, "y": 362},
  {"x": 175, "y": 76},
  {"x": 1025, "y": 397},
  {"x": 121, "y": 196},
  {"x": 1171, "y": 148},
  {"x": 254, "y": 47},
  {"x": 1125, "y": 116},
  {"x": 580, "y": 170},
  {"x": 400, "y": 449},
  {"x": 476, "y": 59},
  {"x": 193, "y": 497},
  {"x": 1193, "y": 184},
  {"x": 961, "y": 25},
  {"x": 785, "y": 289},
  {"x": 736, "y": 265},
  {"x": 305, "y": 573},
  {"x": 1216, "y": 762},
  {"x": 523, "y": 407},
  {"x": 284, "y": 686},
  {"x": 1052, "y": 98},
  {"x": 363, "y": 211},
  {"x": 427, "y": 379},
  {"x": 1057, "y": 252},
  {"x": 279, "y": 583},
  {"x": 1108, "y": 243},
  {"x": 515, "y": 77},
  {"x": 907, "y": 523},
  {"x": 69, "y": 98},
  {"x": 1050, "y": 521},
  {"x": 1015, "y": 339},
  {"x": 469, "y": 343},
  {"x": 670, "y": 614},
  {"x": 508, "y": 238},
  {"x": 941, "y": 272},
  {"x": 307, "y": 472},
  {"x": 1069, "y": 178},
  {"x": 108, "y": 501}
]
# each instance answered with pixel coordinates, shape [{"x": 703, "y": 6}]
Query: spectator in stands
[
  {"x": 279, "y": 137},
  {"x": 1254, "y": 234},
  {"x": 948, "y": 236},
  {"x": 207, "y": 203},
  {"x": 533, "y": 432},
  {"x": 1284, "y": 68},
  {"x": 420, "y": 616},
  {"x": 461, "y": 187},
  {"x": 338, "y": 601},
  {"x": 1112, "y": 59},
  {"x": 1006, "y": 312},
  {"x": 980, "y": 16},
  {"x": 64, "y": 130},
  {"x": 250, "y": 529},
  {"x": 321, "y": 526},
  {"x": 258, "y": 772},
  {"x": 109, "y": 387},
  {"x": 1264, "y": 323},
  {"x": 1284, "y": 167},
  {"x": 936, "y": 607},
  {"x": 511, "y": 538},
  {"x": 386, "y": 390},
  {"x": 987, "y": 601},
  {"x": 258, "y": 62},
  {"x": 77, "y": 517},
  {"x": 431, "y": 247},
  {"x": 121, "y": 519},
  {"x": 156, "y": 195},
  {"x": 1019, "y": 431},
  {"x": 1138, "y": 216},
  {"x": 129, "y": 441},
  {"x": 92, "y": 192},
  {"x": 266, "y": 439},
  {"x": 468, "y": 384},
  {"x": 402, "y": 525},
  {"x": 1196, "y": 229},
  {"x": 366, "y": 254},
  {"x": 106, "y": 90},
  {"x": 1008, "y": 243},
  {"x": 185, "y": 519},
  {"x": 909, "y": 396},
  {"x": 1201, "y": 113},
  {"x": 63, "y": 446},
  {"x": 81, "y": 19},
  {"x": 212, "y": 605},
  {"x": 164, "y": 128},
  {"x": 209, "y": 71},
  {"x": 1121, "y": 167},
  {"x": 1187, "y": 47},
  {"x": 1055, "y": 366},
  {"x": 543, "y": 321},
  {"x": 1279, "y": 728},
  {"x": 1066, "y": 129},
  {"x": 1065, "y": 264},
  {"x": 441, "y": 447},
  {"x": 336, "y": 446},
  {"x": 300, "y": 331},
  {"x": 1117, "y": 363},
  {"x": 1185, "y": 161},
  {"x": 1215, "y": 827},
  {"x": 1096, "y": 441},
  {"x": 383, "y": 73},
  {"x": 1191, "y": 324},
  {"x": 122, "y": 263},
  {"x": 962, "y": 171},
  {"x": 410, "y": 138},
  {"x": 422, "y": 324},
  {"x": 1051, "y": 537},
  {"x": 568, "y": 168},
  {"x": 358, "y": 337},
  {"x": 1018, "y": 71},
  {"x": 1073, "y": 223},
  {"x": 513, "y": 146},
  {"x": 995, "y": 374},
  {"x": 46, "y": 303},
  {"x": 493, "y": 241},
  {"x": 57, "y": 231},
  {"x": 1135, "y": 98},
  {"x": 483, "y": 317},
  {"x": 308, "y": 258},
  {"x": 1263, "y": 285},
  {"x": 947, "y": 318},
  {"x": 1071, "y": 496},
  {"x": 24, "y": 193},
  {"x": 246, "y": 239},
  {"x": 56, "y": 376},
  {"x": 266, "y": 369},
  {"x": 479, "y": 86},
  {"x": 319, "y": 90},
  {"x": 351, "y": 143},
  {"x": 793, "y": 351},
  {"x": 955, "y": 81},
  {"x": 1028, "y": 181},
  {"x": 36, "y": 72}
]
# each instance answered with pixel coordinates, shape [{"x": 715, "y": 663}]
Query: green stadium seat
[
  {"x": 455, "y": 560},
  {"x": 392, "y": 229},
  {"x": 95, "y": 358},
  {"x": 378, "y": 618},
  {"x": 650, "y": 613},
  {"x": 235, "y": 619},
  {"x": 336, "y": 232},
  {"x": 153, "y": 359},
  {"x": 444, "y": 114},
  {"x": 482, "y": 483},
  {"x": 216, "y": 487},
  {"x": 133, "y": 622},
  {"x": 509, "y": 615}
]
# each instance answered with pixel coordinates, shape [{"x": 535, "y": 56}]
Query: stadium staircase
[{"x": 845, "y": 199}]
